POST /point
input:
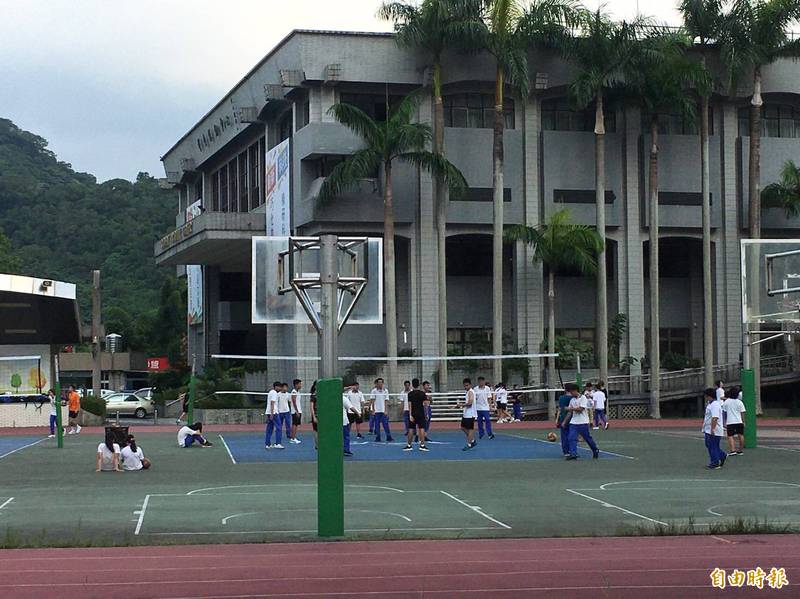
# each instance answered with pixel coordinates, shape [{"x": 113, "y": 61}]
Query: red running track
[{"x": 618, "y": 568}]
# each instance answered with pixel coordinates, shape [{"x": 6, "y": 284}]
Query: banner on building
[
  {"x": 278, "y": 185},
  {"x": 160, "y": 364},
  {"x": 194, "y": 210},
  {"x": 194, "y": 285}
]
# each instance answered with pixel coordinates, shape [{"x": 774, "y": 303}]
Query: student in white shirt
[
  {"x": 587, "y": 391},
  {"x": 712, "y": 429},
  {"x": 51, "y": 395},
  {"x": 378, "y": 398},
  {"x": 404, "y": 399},
  {"x": 296, "y": 409},
  {"x": 733, "y": 407},
  {"x": 356, "y": 398},
  {"x": 284, "y": 409},
  {"x": 468, "y": 415},
  {"x": 348, "y": 408},
  {"x": 108, "y": 455},
  {"x": 579, "y": 422},
  {"x": 599, "y": 397},
  {"x": 501, "y": 400},
  {"x": 273, "y": 418},
  {"x": 719, "y": 392},
  {"x": 192, "y": 433},
  {"x": 483, "y": 400},
  {"x": 133, "y": 456}
]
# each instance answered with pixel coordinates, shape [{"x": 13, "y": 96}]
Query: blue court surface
[
  {"x": 9, "y": 445},
  {"x": 248, "y": 448}
]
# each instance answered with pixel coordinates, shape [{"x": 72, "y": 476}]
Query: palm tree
[
  {"x": 786, "y": 193},
  {"x": 703, "y": 21},
  {"x": 559, "y": 244},
  {"x": 395, "y": 139},
  {"x": 755, "y": 35},
  {"x": 436, "y": 26},
  {"x": 600, "y": 54},
  {"x": 513, "y": 28},
  {"x": 660, "y": 78}
]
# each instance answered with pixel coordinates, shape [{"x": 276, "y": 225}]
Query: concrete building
[{"x": 549, "y": 165}]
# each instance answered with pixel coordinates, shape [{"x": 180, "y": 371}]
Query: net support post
[
  {"x": 749, "y": 400},
  {"x": 330, "y": 459},
  {"x": 192, "y": 384},
  {"x": 59, "y": 417}
]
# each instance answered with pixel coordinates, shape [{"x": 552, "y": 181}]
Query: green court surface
[{"x": 198, "y": 495}]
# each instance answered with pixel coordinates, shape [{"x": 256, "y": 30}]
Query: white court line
[
  {"x": 226, "y": 518},
  {"x": 313, "y": 509},
  {"x": 604, "y": 486},
  {"x": 697, "y": 438},
  {"x": 141, "y": 515},
  {"x": 21, "y": 448},
  {"x": 228, "y": 449},
  {"x": 627, "y": 457},
  {"x": 314, "y": 531},
  {"x": 616, "y": 507},
  {"x": 199, "y": 491},
  {"x": 475, "y": 509},
  {"x": 6, "y": 502}
]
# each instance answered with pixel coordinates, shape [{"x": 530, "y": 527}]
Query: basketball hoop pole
[
  {"x": 330, "y": 456},
  {"x": 748, "y": 379},
  {"x": 57, "y": 390}
]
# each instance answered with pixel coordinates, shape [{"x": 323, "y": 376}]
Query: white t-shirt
[
  {"x": 346, "y": 406},
  {"x": 295, "y": 395},
  {"x": 579, "y": 417},
  {"x": 53, "y": 406},
  {"x": 720, "y": 393},
  {"x": 132, "y": 460},
  {"x": 599, "y": 400},
  {"x": 733, "y": 408},
  {"x": 283, "y": 402},
  {"x": 470, "y": 409},
  {"x": 107, "y": 462},
  {"x": 501, "y": 395},
  {"x": 379, "y": 396},
  {"x": 184, "y": 432},
  {"x": 272, "y": 402},
  {"x": 589, "y": 399},
  {"x": 482, "y": 396},
  {"x": 356, "y": 399},
  {"x": 713, "y": 410},
  {"x": 404, "y": 399}
]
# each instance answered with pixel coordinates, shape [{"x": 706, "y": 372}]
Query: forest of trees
[{"x": 60, "y": 224}]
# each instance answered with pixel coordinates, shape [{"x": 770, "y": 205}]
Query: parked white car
[{"x": 137, "y": 403}]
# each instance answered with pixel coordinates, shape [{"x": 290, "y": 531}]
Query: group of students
[
  {"x": 283, "y": 410},
  {"x": 110, "y": 458},
  {"x": 723, "y": 416},
  {"x": 73, "y": 403},
  {"x": 576, "y": 410},
  {"x": 477, "y": 407}
]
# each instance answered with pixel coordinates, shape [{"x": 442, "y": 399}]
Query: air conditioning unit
[
  {"x": 292, "y": 78},
  {"x": 542, "y": 81},
  {"x": 248, "y": 114},
  {"x": 273, "y": 91},
  {"x": 332, "y": 74}
]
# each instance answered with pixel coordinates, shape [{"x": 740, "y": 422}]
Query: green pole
[
  {"x": 330, "y": 459},
  {"x": 749, "y": 400},
  {"x": 190, "y": 407},
  {"x": 59, "y": 428}
]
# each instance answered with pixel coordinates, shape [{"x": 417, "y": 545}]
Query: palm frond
[
  {"x": 441, "y": 169},
  {"x": 345, "y": 175},
  {"x": 784, "y": 194},
  {"x": 409, "y": 137},
  {"x": 357, "y": 121}
]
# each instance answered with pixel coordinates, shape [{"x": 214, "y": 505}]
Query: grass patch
[{"x": 736, "y": 526}]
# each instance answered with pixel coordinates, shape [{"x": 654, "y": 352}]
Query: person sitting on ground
[
  {"x": 190, "y": 434},
  {"x": 133, "y": 456},
  {"x": 108, "y": 455}
]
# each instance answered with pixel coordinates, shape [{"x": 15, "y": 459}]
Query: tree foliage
[{"x": 785, "y": 193}]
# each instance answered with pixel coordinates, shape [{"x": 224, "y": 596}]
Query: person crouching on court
[
  {"x": 579, "y": 423},
  {"x": 108, "y": 455},
  {"x": 192, "y": 433},
  {"x": 133, "y": 456},
  {"x": 712, "y": 429}
]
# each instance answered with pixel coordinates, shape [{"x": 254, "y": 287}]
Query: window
[
  {"x": 302, "y": 113},
  {"x": 256, "y": 157},
  {"x": 215, "y": 191},
  {"x": 285, "y": 127},
  {"x": 464, "y": 342},
  {"x": 223, "y": 189},
  {"x": 243, "y": 187},
  {"x": 475, "y": 111},
  {"x": 777, "y": 120},
  {"x": 234, "y": 287},
  {"x": 481, "y": 194},
  {"x": 374, "y": 105},
  {"x": 671, "y": 341},
  {"x": 562, "y": 115},
  {"x": 233, "y": 188},
  {"x": 580, "y": 196},
  {"x": 469, "y": 256},
  {"x": 676, "y": 124}
]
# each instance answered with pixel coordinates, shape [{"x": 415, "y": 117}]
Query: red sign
[{"x": 158, "y": 364}]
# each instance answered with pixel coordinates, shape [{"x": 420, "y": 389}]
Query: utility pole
[{"x": 96, "y": 334}]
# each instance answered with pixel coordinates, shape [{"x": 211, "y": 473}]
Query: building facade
[{"x": 217, "y": 169}]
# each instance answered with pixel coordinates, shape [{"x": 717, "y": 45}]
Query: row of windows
[
  {"x": 561, "y": 115},
  {"x": 777, "y": 120},
  {"x": 475, "y": 111},
  {"x": 237, "y": 186}
]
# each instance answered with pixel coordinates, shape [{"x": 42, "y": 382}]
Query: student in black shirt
[{"x": 416, "y": 416}]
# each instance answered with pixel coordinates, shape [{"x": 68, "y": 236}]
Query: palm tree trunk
[
  {"x": 708, "y": 331},
  {"x": 600, "y": 201},
  {"x": 754, "y": 208},
  {"x": 440, "y": 201},
  {"x": 497, "y": 245},
  {"x": 655, "y": 357},
  {"x": 390, "y": 291},
  {"x": 551, "y": 342}
]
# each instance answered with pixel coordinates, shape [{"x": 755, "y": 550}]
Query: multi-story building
[{"x": 549, "y": 165}]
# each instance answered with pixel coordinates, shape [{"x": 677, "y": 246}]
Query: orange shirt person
[{"x": 74, "y": 406}]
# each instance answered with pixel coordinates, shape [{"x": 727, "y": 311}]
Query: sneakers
[
  {"x": 423, "y": 448},
  {"x": 595, "y": 454},
  {"x": 209, "y": 444},
  {"x": 739, "y": 453},
  {"x": 713, "y": 466},
  {"x": 360, "y": 436},
  {"x": 390, "y": 439},
  {"x": 491, "y": 436},
  {"x": 733, "y": 453},
  {"x": 268, "y": 446},
  {"x": 606, "y": 426},
  {"x": 467, "y": 447},
  {"x": 77, "y": 429},
  {"x": 71, "y": 432},
  {"x": 595, "y": 428},
  {"x": 378, "y": 440},
  {"x": 407, "y": 448},
  {"x": 50, "y": 436},
  {"x": 295, "y": 441},
  {"x": 277, "y": 446},
  {"x": 571, "y": 457},
  {"x": 348, "y": 454},
  {"x": 722, "y": 460}
]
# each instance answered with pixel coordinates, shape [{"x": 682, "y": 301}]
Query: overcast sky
[{"x": 113, "y": 84}]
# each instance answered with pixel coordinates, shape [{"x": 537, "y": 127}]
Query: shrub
[{"x": 94, "y": 406}]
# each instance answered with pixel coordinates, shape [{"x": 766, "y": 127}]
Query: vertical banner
[
  {"x": 278, "y": 185},
  {"x": 194, "y": 288},
  {"x": 194, "y": 210}
]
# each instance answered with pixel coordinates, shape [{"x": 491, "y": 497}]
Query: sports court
[{"x": 515, "y": 485}]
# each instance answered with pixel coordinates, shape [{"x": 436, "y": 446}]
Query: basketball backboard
[
  {"x": 770, "y": 281},
  {"x": 279, "y": 263}
]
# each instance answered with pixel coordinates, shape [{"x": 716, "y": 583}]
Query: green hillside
[{"x": 62, "y": 224}]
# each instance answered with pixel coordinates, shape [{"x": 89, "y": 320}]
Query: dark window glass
[
  {"x": 233, "y": 191},
  {"x": 223, "y": 189},
  {"x": 562, "y": 115},
  {"x": 302, "y": 113},
  {"x": 215, "y": 191},
  {"x": 373, "y": 105},
  {"x": 475, "y": 111},
  {"x": 777, "y": 120},
  {"x": 234, "y": 287},
  {"x": 469, "y": 256},
  {"x": 465, "y": 342},
  {"x": 243, "y": 186}
]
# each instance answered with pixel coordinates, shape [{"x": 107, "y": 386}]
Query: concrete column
[
  {"x": 630, "y": 278},
  {"x": 696, "y": 304},
  {"x": 210, "y": 313},
  {"x": 528, "y": 282},
  {"x": 728, "y": 280},
  {"x": 327, "y": 99}
]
